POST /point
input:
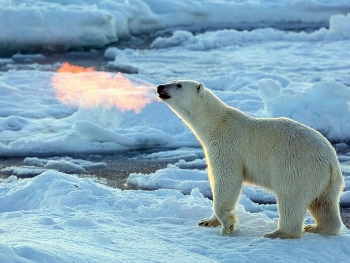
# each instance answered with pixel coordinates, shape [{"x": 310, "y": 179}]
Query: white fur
[{"x": 281, "y": 155}]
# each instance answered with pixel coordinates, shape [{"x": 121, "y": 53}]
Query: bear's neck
[
  {"x": 213, "y": 117},
  {"x": 208, "y": 117}
]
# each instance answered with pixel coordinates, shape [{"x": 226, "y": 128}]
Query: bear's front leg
[
  {"x": 225, "y": 197},
  {"x": 228, "y": 221}
]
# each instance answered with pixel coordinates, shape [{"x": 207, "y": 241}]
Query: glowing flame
[{"x": 78, "y": 86}]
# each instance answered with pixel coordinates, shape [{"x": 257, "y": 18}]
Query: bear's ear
[{"x": 200, "y": 87}]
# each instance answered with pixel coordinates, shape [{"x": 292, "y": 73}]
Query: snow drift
[{"x": 29, "y": 26}]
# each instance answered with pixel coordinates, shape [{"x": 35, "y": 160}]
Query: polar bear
[{"x": 281, "y": 155}]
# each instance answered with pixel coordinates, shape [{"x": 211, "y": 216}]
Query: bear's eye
[{"x": 179, "y": 85}]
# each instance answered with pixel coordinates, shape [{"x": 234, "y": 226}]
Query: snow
[
  {"x": 53, "y": 26},
  {"x": 328, "y": 99},
  {"x": 229, "y": 37},
  {"x": 243, "y": 51},
  {"x": 35, "y": 166},
  {"x": 62, "y": 25},
  {"x": 340, "y": 24},
  {"x": 56, "y": 217}
]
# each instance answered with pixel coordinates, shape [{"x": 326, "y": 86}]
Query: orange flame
[{"x": 78, "y": 86}]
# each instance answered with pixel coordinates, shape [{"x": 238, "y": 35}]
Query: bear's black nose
[
  {"x": 163, "y": 94},
  {"x": 160, "y": 88}
]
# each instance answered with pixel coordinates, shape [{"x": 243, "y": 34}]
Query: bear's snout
[
  {"x": 163, "y": 94},
  {"x": 160, "y": 88}
]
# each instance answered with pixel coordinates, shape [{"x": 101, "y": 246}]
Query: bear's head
[{"x": 182, "y": 96}]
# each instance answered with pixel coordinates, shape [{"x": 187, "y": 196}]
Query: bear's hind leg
[
  {"x": 327, "y": 216},
  {"x": 291, "y": 218}
]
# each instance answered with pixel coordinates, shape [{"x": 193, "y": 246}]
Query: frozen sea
[{"x": 266, "y": 58}]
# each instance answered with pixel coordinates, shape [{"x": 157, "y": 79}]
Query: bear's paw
[
  {"x": 282, "y": 235},
  {"x": 209, "y": 222}
]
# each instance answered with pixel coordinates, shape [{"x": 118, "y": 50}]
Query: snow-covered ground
[
  {"x": 61, "y": 109},
  {"x": 56, "y": 217}
]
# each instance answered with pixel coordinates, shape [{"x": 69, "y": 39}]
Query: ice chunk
[
  {"x": 340, "y": 25},
  {"x": 92, "y": 132},
  {"x": 64, "y": 166}
]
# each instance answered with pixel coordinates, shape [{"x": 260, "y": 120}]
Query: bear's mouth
[{"x": 161, "y": 89}]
